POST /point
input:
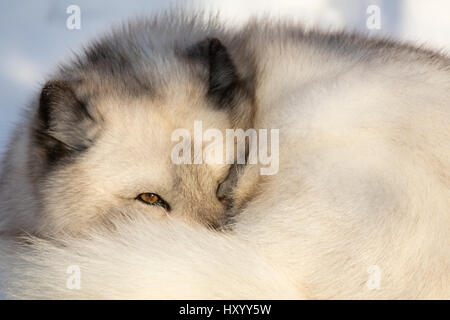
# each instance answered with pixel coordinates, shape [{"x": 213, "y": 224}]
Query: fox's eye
[
  {"x": 150, "y": 198},
  {"x": 153, "y": 199}
]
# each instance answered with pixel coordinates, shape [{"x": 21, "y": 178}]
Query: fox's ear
[
  {"x": 223, "y": 79},
  {"x": 63, "y": 125},
  {"x": 225, "y": 85}
]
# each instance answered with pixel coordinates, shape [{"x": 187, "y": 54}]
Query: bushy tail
[{"x": 140, "y": 260}]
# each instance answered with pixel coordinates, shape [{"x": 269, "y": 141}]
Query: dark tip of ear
[
  {"x": 53, "y": 93},
  {"x": 215, "y": 45},
  {"x": 63, "y": 122},
  {"x": 223, "y": 79}
]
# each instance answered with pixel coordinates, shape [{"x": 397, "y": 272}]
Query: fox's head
[{"x": 102, "y": 135}]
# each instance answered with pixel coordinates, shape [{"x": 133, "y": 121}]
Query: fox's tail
[{"x": 141, "y": 260}]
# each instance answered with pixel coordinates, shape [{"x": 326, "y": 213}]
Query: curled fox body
[{"x": 363, "y": 180}]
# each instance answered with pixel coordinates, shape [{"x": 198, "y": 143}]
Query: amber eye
[
  {"x": 153, "y": 199},
  {"x": 149, "y": 198}
]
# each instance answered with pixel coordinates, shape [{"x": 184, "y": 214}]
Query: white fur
[{"x": 144, "y": 259}]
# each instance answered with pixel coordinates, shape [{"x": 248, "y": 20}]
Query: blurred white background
[{"x": 34, "y": 37}]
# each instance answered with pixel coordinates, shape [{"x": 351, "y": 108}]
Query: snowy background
[{"x": 34, "y": 36}]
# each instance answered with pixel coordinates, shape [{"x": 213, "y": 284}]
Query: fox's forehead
[
  {"x": 143, "y": 128},
  {"x": 180, "y": 106}
]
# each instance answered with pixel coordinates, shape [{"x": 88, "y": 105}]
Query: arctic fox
[{"x": 360, "y": 206}]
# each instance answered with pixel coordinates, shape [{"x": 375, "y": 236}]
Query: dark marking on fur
[
  {"x": 223, "y": 79},
  {"x": 225, "y": 86},
  {"x": 63, "y": 123},
  {"x": 116, "y": 64}
]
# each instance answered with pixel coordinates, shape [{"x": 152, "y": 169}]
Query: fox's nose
[
  {"x": 223, "y": 194},
  {"x": 224, "y": 200},
  {"x": 225, "y": 189}
]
